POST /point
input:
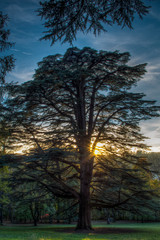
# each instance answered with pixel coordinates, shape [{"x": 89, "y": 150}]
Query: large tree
[
  {"x": 75, "y": 102},
  {"x": 63, "y": 19}
]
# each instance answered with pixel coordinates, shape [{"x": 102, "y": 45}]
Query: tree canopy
[
  {"x": 76, "y": 101},
  {"x": 63, "y": 19}
]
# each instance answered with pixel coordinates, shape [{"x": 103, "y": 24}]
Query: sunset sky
[{"x": 143, "y": 43}]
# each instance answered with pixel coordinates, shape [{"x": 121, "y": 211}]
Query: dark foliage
[
  {"x": 6, "y": 62},
  {"x": 64, "y": 19},
  {"x": 74, "y": 102}
]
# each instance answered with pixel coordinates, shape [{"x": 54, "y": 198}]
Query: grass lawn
[{"x": 140, "y": 231}]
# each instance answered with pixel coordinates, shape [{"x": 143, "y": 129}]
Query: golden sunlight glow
[
  {"x": 99, "y": 149},
  {"x": 22, "y": 150}
]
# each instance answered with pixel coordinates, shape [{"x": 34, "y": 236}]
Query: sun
[{"x": 99, "y": 149}]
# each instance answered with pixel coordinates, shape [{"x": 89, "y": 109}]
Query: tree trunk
[
  {"x": 10, "y": 214},
  {"x": 35, "y": 222},
  {"x": 84, "y": 216},
  {"x": 34, "y": 212}
]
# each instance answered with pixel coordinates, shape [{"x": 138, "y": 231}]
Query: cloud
[
  {"x": 23, "y": 14},
  {"x": 15, "y": 50},
  {"x": 151, "y": 129},
  {"x": 155, "y": 15},
  {"x": 153, "y": 73},
  {"x": 117, "y": 39},
  {"x": 19, "y": 51},
  {"x": 26, "y": 53},
  {"x": 154, "y": 67},
  {"x": 150, "y": 83},
  {"x": 20, "y": 76}
]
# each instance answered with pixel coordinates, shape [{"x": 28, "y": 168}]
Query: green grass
[{"x": 140, "y": 231}]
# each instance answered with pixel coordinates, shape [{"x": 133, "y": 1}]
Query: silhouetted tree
[
  {"x": 74, "y": 102},
  {"x": 63, "y": 19}
]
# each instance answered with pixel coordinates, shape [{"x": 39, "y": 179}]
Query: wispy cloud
[
  {"x": 15, "y": 50},
  {"x": 118, "y": 40},
  {"x": 26, "y": 53},
  {"x": 20, "y": 75},
  {"x": 155, "y": 15},
  {"x": 151, "y": 130},
  {"x": 23, "y": 14},
  {"x": 19, "y": 51},
  {"x": 153, "y": 71},
  {"x": 23, "y": 76}
]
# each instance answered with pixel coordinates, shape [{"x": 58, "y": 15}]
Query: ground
[{"x": 140, "y": 231}]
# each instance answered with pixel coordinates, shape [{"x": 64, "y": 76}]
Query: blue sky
[{"x": 143, "y": 43}]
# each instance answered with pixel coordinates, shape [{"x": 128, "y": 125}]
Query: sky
[{"x": 143, "y": 43}]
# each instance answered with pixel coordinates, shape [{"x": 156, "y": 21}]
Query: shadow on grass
[
  {"x": 71, "y": 230},
  {"x": 96, "y": 230}
]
